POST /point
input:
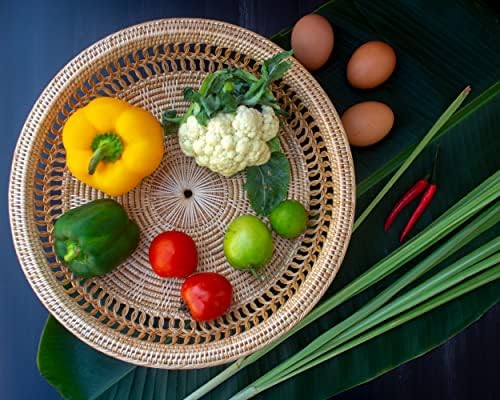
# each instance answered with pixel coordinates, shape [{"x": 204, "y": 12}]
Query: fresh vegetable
[
  {"x": 112, "y": 145},
  {"x": 424, "y": 202},
  {"x": 230, "y": 142},
  {"x": 173, "y": 254},
  {"x": 231, "y": 124},
  {"x": 479, "y": 198},
  {"x": 227, "y": 89},
  {"x": 230, "y": 118},
  {"x": 289, "y": 219},
  {"x": 407, "y": 198},
  {"x": 410, "y": 195},
  {"x": 248, "y": 244},
  {"x": 95, "y": 238},
  {"x": 208, "y": 295}
]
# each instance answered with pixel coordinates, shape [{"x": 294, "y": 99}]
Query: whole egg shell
[
  {"x": 371, "y": 65},
  {"x": 367, "y": 123},
  {"x": 312, "y": 41}
]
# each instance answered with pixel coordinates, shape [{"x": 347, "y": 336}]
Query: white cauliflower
[{"x": 230, "y": 142}]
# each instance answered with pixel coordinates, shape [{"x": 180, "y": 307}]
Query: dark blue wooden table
[{"x": 38, "y": 38}]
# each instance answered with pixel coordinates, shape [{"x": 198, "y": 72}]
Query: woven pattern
[{"x": 131, "y": 313}]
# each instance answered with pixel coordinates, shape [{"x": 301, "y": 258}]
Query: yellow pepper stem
[{"x": 106, "y": 147}]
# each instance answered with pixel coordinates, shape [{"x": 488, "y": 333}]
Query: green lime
[
  {"x": 289, "y": 219},
  {"x": 248, "y": 243}
]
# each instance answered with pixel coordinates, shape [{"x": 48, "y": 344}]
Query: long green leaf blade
[
  {"x": 485, "y": 257},
  {"x": 483, "y": 279}
]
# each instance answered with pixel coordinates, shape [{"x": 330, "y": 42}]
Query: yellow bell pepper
[{"x": 112, "y": 145}]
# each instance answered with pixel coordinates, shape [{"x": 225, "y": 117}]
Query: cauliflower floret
[
  {"x": 264, "y": 156},
  {"x": 271, "y": 123},
  {"x": 230, "y": 142},
  {"x": 189, "y": 132},
  {"x": 248, "y": 122}
]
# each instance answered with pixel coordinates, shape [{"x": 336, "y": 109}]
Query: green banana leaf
[{"x": 442, "y": 46}]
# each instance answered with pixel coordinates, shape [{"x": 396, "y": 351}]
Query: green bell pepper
[{"x": 95, "y": 238}]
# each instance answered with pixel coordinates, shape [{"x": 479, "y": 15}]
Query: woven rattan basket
[{"x": 132, "y": 314}]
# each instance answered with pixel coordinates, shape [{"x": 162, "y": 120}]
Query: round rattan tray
[{"x": 132, "y": 314}]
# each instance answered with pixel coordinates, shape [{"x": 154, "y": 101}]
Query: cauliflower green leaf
[
  {"x": 226, "y": 89},
  {"x": 267, "y": 185},
  {"x": 274, "y": 145}
]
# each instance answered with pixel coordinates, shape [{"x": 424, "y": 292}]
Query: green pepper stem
[
  {"x": 106, "y": 147},
  {"x": 72, "y": 251}
]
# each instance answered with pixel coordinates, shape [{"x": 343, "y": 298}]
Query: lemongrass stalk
[
  {"x": 485, "y": 257},
  {"x": 492, "y": 273},
  {"x": 486, "y": 277},
  {"x": 425, "y": 291},
  {"x": 308, "y": 353},
  {"x": 484, "y": 194},
  {"x": 414, "y": 154}
]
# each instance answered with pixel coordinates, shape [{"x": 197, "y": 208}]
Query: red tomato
[
  {"x": 208, "y": 295},
  {"x": 173, "y": 254}
]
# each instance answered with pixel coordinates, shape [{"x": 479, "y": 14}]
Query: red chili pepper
[
  {"x": 407, "y": 198},
  {"x": 424, "y": 202}
]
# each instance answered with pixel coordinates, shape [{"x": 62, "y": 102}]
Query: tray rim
[{"x": 73, "y": 318}]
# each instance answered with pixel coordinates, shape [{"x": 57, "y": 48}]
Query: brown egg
[
  {"x": 370, "y": 65},
  {"x": 312, "y": 41},
  {"x": 367, "y": 123}
]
